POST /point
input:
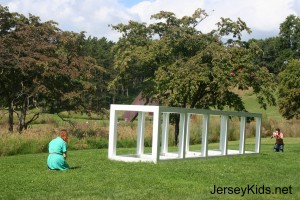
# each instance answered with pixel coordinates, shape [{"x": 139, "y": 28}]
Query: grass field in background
[
  {"x": 252, "y": 105},
  {"x": 96, "y": 177}
]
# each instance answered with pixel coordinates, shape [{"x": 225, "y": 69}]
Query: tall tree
[
  {"x": 70, "y": 87},
  {"x": 131, "y": 59},
  {"x": 290, "y": 33},
  {"x": 41, "y": 67},
  {"x": 101, "y": 51},
  {"x": 289, "y": 41},
  {"x": 26, "y": 46},
  {"x": 282, "y": 48},
  {"x": 184, "y": 67},
  {"x": 289, "y": 90},
  {"x": 271, "y": 56},
  {"x": 7, "y": 23}
]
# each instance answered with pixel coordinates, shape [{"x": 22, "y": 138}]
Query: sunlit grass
[{"x": 96, "y": 177}]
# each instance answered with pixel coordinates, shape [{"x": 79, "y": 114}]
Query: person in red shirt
[{"x": 278, "y": 135}]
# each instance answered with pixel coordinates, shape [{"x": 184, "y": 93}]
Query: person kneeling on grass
[
  {"x": 58, "y": 152},
  {"x": 279, "y": 140}
]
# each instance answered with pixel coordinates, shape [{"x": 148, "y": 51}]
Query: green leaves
[
  {"x": 226, "y": 27},
  {"x": 185, "y": 68},
  {"x": 289, "y": 90},
  {"x": 290, "y": 32},
  {"x": 43, "y": 67}
]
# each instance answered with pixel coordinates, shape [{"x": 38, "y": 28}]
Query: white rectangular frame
[{"x": 160, "y": 132}]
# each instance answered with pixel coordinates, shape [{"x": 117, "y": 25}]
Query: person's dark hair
[{"x": 277, "y": 129}]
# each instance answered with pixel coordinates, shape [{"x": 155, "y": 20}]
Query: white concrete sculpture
[{"x": 161, "y": 129}]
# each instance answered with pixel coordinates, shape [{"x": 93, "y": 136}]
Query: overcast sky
[{"x": 94, "y": 16}]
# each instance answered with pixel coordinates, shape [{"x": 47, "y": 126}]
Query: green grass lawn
[
  {"x": 96, "y": 177},
  {"x": 252, "y": 105}
]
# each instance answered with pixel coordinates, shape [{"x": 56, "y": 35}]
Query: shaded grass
[{"x": 96, "y": 177}]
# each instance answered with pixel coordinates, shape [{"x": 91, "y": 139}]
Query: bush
[{"x": 97, "y": 143}]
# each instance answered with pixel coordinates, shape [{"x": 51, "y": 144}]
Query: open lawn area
[{"x": 258, "y": 176}]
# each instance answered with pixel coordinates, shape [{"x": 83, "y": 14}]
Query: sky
[{"x": 263, "y": 17}]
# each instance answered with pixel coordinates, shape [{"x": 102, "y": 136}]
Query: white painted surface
[{"x": 160, "y": 134}]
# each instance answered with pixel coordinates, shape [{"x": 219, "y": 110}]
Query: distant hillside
[{"x": 252, "y": 105}]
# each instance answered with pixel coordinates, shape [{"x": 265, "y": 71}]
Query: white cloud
[
  {"x": 181, "y": 8},
  {"x": 261, "y": 16},
  {"x": 94, "y": 16}
]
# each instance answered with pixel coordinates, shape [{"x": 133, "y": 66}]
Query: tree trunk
[
  {"x": 177, "y": 119},
  {"x": 11, "y": 117},
  {"x": 22, "y": 119}
]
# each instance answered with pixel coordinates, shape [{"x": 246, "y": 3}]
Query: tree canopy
[
  {"x": 45, "y": 69},
  {"x": 182, "y": 67},
  {"x": 41, "y": 67},
  {"x": 289, "y": 90}
]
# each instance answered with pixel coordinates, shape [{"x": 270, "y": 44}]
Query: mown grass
[{"x": 96, "y": 177}]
